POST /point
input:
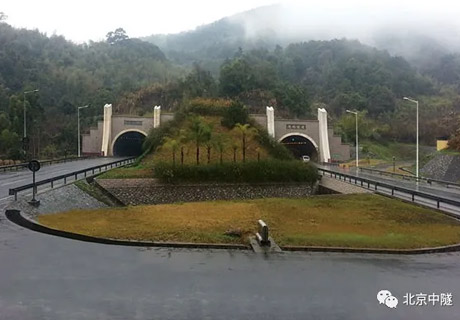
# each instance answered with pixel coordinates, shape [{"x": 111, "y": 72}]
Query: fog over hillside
[{"x": 415, "y": 32}]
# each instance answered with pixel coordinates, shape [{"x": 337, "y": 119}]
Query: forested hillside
[
  {"x": 135, "y": 75},
  {"x": 67, "y": 76},
  {"x": 338, "y": 75}
]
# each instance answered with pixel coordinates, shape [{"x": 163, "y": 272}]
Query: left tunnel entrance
[{"x": 128, "y": 144}]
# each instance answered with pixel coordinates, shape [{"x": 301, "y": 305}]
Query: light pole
[
  {"x": 357, "y": 143},
  {"x": 416, "y": 156},
  {"x": 25, "y": 122},
  {"x": 78, "y": 116}
]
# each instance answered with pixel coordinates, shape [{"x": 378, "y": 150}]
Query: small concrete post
[{"x": 262, "y": 235}]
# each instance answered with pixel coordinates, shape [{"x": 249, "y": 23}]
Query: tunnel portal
[
  {"x": 300, "y": 146},
  {"x": 128, "y": 144}
]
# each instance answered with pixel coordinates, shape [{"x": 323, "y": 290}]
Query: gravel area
[
  {"x": 336, "y": 186},
  {"x": 149, "y": 191},
  {"x": 61, "y": 199},
  {"x": 443, "y": 167}
]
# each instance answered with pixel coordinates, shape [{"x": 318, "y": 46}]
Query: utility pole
[
  {"x": 417, "y": 150},
  {"x": 25, "y": 121},
  {"x": 78, "y": 117},
  {"x": 357, "y": 141}
]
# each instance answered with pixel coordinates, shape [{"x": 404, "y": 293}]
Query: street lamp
[
  {"x": 416, "y": 157},
  {"x": 357, "y": 144},
  {"x": 78, "y": 116},
  {"x": 25, "y": 124}
]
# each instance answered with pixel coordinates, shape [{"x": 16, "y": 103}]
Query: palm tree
[
  {"x": 246, "y": 132},
  {"x": 234, "y": 147},
  {"x": 200, "y": 133},
  {"x": 220, "y": 142},
  {"x": 209, "y": 145},
  {"x": 172, "y": 144}
]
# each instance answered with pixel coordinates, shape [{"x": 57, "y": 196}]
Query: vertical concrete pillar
[
  {"x": 107, "y": 130},
  {"x": 156, "y": 116},
  {"x": 324, "y": 151},
  {"x": 270, "y": 121}
]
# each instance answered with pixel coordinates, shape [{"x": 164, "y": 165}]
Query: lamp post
[
  {"x": 416, "y": 156},
  {"x": 25, "y": 121},
  {"x": 357, "y": 143},
  {"x": 78, "y": 116}
]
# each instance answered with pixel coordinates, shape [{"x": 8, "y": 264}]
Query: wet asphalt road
[
  {"x": 45, "y": 277},
  {"x": 434, "y": 189},
  {"x": 452, "y": 193},
  {"x": 12, "y": 179}
]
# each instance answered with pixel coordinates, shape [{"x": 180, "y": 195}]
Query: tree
[
  {"x": 199, "y": 83},
  {"x": 173, "y": 145},
  {"x": 347, "y": 125},
  {"x": 116, "y": 36},
  {"x": 200, "y": 133},
  {"x": 235, "y": 148},
  {"x": 294, "y": 98},
  {"x": 246, "y": 132},
  {"x": 3, "y": 16},
  {"x": 454, "y": 141},
  {"x": 220, "y": 142},
  {"x": 209, "y": 145},
  {"x": 9, "y": 142},
  {"x": 235, "y": 113},
  {"x": 235, "y": 77}
]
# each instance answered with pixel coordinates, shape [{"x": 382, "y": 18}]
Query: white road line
[{"x": 12, "y": 182}]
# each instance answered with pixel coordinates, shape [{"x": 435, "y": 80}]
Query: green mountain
[{"x": 67, "y": 76}]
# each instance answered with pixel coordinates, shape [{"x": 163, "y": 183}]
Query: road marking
[
  {"x": 12, "y": 182},
  {"x": 5, "y": 198}
]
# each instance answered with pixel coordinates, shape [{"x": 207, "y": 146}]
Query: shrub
[
  {"x": 156, "y": 135},
  {"x": 274, "y": 148},
  {"x": 249, "y": 172},
  {"x": 208, "y": 107},
  {"x": 235, "y": 113}
]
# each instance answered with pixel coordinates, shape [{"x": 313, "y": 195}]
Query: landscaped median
[{"x": 351, "y": 221}]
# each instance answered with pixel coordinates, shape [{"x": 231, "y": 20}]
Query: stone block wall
[{"x": 148, "y": 191}]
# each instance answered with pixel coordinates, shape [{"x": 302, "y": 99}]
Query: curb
[
  {"x": 16, "y": 217},
  {"x": 451, "y": 248}
]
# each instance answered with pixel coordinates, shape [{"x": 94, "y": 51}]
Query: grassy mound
[
  {"x": 364, "y": 221},
  {"x": 205, "y": 132}
]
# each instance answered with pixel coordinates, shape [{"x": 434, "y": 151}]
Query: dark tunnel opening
[
  {"x": 128, "y": 144},
  {"x": 300, "y": 146}
]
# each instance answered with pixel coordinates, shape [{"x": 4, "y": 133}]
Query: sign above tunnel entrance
[
  {"x": 296, "y": 126},
  {"x": 132, "y": 123}
]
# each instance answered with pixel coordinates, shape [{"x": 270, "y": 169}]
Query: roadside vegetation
[
  {"x": 243, "y": 172},
  {"x": 358, "y": 221}
]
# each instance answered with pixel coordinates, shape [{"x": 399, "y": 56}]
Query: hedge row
[{"x": 249, "y": 172}]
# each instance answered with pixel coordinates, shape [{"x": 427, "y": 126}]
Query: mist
[{"x": 402, "y": 29}]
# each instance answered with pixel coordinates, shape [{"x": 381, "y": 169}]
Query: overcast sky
[{"x": 85, "y": 20}]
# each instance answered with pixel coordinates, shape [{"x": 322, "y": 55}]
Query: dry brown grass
[
  {"x": 165, "y": 154},
  {"x": 361, "y": 220}
]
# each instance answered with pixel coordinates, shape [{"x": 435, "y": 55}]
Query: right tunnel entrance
[{"x": 300, "y": 146}]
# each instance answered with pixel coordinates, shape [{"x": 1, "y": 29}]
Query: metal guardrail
[
  {"x": 14, "y": 191},
  {"x": 373, "y": 184},
  {"x": 24, "y": 165},
  {"x": 447, "y": 184}
]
